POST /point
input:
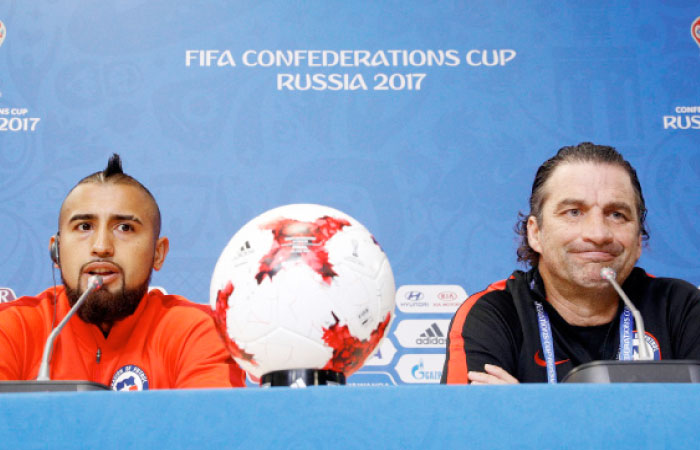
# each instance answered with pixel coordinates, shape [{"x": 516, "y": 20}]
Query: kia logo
[
  {"x": 447, "y": 295},
  {"x": 414, "y": 296}
]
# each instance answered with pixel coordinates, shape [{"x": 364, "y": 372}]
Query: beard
[{"x": 103, "y": 306}]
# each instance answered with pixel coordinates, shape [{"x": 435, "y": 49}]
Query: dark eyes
[{"x": 123, "y": 227}]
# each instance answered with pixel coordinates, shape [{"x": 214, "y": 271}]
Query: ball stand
[{"x": 299, "y": 378}]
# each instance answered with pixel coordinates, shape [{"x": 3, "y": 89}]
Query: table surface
[{"x": 527, "y": 416}]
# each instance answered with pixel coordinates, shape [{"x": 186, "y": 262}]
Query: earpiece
[{"x": 54, "y": 250}]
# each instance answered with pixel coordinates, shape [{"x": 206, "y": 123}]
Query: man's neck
[
  {"x": 106, "y": 327},
  {"x": 583, "y": 308}
]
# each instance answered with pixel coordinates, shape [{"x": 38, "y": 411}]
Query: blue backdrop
[{"x": 423, "y": 120}]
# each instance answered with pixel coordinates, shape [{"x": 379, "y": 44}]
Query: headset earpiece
[{"x": 54, "y": 250}]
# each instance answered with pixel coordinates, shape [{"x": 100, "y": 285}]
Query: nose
[
  {"x": 102, "y": 245},
  {"x": 596, "y": 229}
]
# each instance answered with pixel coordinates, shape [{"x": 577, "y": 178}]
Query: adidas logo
[
  {"x": 431, "y": 335},
  {"x": 244, "y": 250}
]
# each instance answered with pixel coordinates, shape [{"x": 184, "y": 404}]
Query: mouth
[
  {"x": 595, "y": 256},
  {"x": 108, "y": 271}
]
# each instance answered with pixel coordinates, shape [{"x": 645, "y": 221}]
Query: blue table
[{"x": 529, "y": 416}]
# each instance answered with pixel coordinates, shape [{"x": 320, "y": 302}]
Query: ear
[
  {"x": 533, "y": 234},
  {"x": 161, "y": 251}
]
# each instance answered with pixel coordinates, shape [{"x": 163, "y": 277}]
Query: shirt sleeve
[
  {"x": 480, "y": 333},
  {"x": 685, "y": 322},
  {"x": 200, "y": 359},
  {"x": 13, "y": 341}
]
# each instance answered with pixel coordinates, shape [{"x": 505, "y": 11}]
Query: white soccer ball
[{"x": 302, "y": 287}]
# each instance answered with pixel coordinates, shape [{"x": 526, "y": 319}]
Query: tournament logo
[
  {"x": 694, "y": 31},
  {"x": 3, "y": 32},
  {"x": 130, "y": 378}
]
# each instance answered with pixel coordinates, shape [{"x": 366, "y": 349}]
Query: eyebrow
[
  {"x": 117, "y": 217},
  {"x": 614, "y": 205}
]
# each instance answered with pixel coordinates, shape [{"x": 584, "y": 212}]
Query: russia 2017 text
[{"x": 349, "y": 82}]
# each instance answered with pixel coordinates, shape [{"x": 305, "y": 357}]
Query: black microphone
[
  {"x": 94, "y": 283},
  {"x": 610, "y": 275}
]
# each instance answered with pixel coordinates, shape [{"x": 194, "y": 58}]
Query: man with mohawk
[{"x": 124, "y": 336}]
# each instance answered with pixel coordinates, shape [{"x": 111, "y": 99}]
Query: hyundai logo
[{"x": 414, "y": 296}]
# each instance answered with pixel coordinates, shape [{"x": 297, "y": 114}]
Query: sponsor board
[
  {"x": 384, "y": 354},
  {"x": 371, "y": 378},
  {"x": 6, "y": 295},
  {"x": 422, "y": 333},
  {"x": 430, "y": 298},
  {"x": 420, "y": 368}
]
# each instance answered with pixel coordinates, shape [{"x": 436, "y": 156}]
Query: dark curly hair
[{"x": 583, "y": 152}]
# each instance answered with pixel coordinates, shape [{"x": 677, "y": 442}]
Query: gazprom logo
[
  {"x": 415, "y": 296},
  {"x": 425, "y": 368}
]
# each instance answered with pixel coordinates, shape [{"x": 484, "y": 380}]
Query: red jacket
[{"x": 169, "y": 342}]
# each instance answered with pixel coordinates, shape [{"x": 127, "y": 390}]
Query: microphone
[
  {"x": 94, "y": 283},
  {"x": 609, "y": 274}
]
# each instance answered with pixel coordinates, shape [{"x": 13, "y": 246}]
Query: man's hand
[{"x": 492, "y": 375}]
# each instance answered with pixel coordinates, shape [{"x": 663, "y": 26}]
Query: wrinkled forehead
[
  {"x": 108, "y": 199},
  {"x": 589, "y": 182}
]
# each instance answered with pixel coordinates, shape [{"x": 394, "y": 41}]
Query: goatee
[{"x": 103, "y": 307}]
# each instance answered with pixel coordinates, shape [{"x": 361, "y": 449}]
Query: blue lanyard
[{"x": 626, "y": 330}]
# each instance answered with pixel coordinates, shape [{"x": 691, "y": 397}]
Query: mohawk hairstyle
[
  {"x": 114, "y": 166},
  {"x": 114, "y": 173}
]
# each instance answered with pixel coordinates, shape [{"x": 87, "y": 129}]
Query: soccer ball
[{"x": 302, "y": 287}]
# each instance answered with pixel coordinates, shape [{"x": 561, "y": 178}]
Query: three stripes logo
[{"x": 432, "y": 335}]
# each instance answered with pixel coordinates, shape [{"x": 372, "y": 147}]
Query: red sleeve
[
  {"x": 23, "y": 332},
  {"x": 200, "y": 359}
]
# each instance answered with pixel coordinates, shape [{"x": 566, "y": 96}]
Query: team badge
[
  {"x": 130, "y": 378},
  {"x": 651, "y": 343}
]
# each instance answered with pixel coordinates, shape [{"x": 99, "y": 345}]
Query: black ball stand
[{"x": 302, "y": 378}]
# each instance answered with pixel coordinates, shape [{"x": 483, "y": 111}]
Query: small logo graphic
[
  {"x": 447, "y": 295},
  {"x": 294, "y": 239},
  {"x": 542, "y": 363},
  {"x": 415, "y": 296},
  {"x": 421, "y": 368},
  {"x": 130, "y": 378},
  {"x": 430, "y": 298},
  {"x": 6, "y": 295},
  {"x": 694, "y": 31},
  {"x": 3, "y": 32},
  {"x": 384, "y": 354},
  {"x": 244, "y": 250},
  {"x": 422, "y": 333}
]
